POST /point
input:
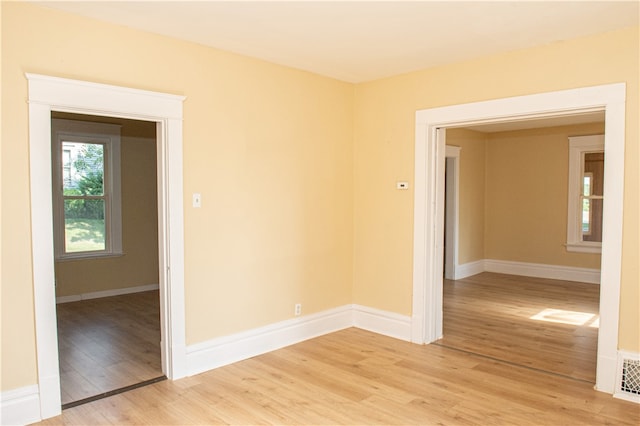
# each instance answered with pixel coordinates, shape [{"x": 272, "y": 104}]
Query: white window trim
[
  {"x": 109, "y": 134},
  {"x": 578, "y": 146}
]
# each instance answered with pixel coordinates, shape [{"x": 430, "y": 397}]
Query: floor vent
[{"x": 628, "y": 378}]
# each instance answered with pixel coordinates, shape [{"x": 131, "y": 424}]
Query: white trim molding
[
  {"x": 578, "y": 146},
  {"x": 428, "y": 207},
  {"x": 382, "y": 322},
  {"x": 47, "y": 94},
  {"x": 538, "y": 270},
  {"x": 20, "y": 406},
  {"x": 108, "y": 136},
  {"x": 526, "y": 269},
  {"x": 107, "y": 293},
  {"x": 452, "y": 210},
  {"x": 468, "y": 269},
  {"x": 226, "y": 350}
]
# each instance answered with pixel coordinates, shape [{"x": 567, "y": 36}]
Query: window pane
[
  {"x": 84, "y": 225},
  {"x": 594, "y": 167},
  {"x": 586, "y": 185},
  {"x": 586, "y": 217},
  {"x": 595, "y": 221},
  {"x": 83, "y": 168}
]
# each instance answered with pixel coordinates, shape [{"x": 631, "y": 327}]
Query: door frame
[
  {"x": 426, "y": 321},
  {"x": 47, "y": 94},
  {"x": 452, "y": 210}
]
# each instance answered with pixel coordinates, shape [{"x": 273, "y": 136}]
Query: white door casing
[
  {"x": 426, "y": 322},
  {"x": 47, "y": 94},
  {"x": 452, "y": 211}
]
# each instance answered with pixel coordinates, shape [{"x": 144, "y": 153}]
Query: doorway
[
  {"x": 107, "y": 258},
  {"x": 48, "y": 94},
  {"x": 429, "y": 188},
  {"x": 514, "y": 206}
]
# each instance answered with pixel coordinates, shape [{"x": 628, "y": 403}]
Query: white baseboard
[
  {"x": 468, "y": 269},
  {"x": 106, "y": 293},
  {"x": 226, "y": 350},
  {"x": 538, "y": 270},
  {"x": 555, "y": 272},
  {"x": 20, "y": 406},
  {"x": 382, "y": 322}
]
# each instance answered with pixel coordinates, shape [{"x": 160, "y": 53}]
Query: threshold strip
[
  {"x": 112, "y": 392},
  {"x": 513, "y": 363}
]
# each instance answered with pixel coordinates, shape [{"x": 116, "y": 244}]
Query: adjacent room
[
  {"x": 108, "y": 303},
  {"x": 512, "y": 203},
  {"x": 234, "y": 212}
]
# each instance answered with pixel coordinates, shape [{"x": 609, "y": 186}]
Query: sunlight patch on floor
[{"x": 567, "y": 317}]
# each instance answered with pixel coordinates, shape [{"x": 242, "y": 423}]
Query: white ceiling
[{"x": 357, "y": 41}]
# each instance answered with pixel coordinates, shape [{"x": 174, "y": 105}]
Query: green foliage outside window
[{"x": 87, "y": 181}]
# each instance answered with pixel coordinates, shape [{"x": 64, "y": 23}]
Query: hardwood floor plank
[
  {"x": 495, "y": 315},
  {"x": 357, "y": 377},
  {"x": 108, "y": 343}
]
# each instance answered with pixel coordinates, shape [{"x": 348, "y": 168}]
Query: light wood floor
[
  {"x": 357, "y": 377},
  {"x": 493, "y": 314},
  {"x": 108, "y": 343}
]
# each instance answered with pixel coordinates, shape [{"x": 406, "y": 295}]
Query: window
[
  {"x": 586, "y": 194},
  {"x": 86, "y": 189}
]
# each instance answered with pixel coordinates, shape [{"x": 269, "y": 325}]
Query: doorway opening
[
  {"x": 514, "y": 206},
  {"x": 51, "y": 94},
  {"x": 429, "y": 211},
  {"x": 107, "y": 258}
]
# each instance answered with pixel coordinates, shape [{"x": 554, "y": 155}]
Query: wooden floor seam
[
  {"x": 514, "y": 364},
  {"x": 113, "y": 392}
]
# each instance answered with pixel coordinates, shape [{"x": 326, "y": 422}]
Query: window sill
[
  {"x": 583, "y": 248},
  {"x": 88, "y": 256}
]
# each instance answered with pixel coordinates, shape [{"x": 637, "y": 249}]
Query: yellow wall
[
  {"x": 513, "y": 195},
  {"x": 268, "y": 147},
  {"x": 471, "y": 198},
  {"x": 139, "y": 264},
  {"x": 526, "y": 198},
  {"x": 384, "y": 149}
]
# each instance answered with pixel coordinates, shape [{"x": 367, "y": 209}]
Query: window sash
[
  {"x": 108, "y": 135},
  {"x": 578, "y": 147}
]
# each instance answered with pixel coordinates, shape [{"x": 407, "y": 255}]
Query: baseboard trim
[
  {"x": 468, "y": 269},
  {"x": 20, "y": 406},
  {"x": 107, "y": 293},
  {"x": 538, "y": 270},
  {"x": 226, "y": 350},
  {"x": 382, "y": 322},
  {"x": 555, "y": 272}
]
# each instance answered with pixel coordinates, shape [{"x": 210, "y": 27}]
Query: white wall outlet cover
[
  {"x": 197, "y": 200},
  {"x": 402, "y": 185}
]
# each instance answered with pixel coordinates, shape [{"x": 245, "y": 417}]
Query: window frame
[
  {"x": 578, "y": 147},
  {"x": 109, "y": 135}
]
